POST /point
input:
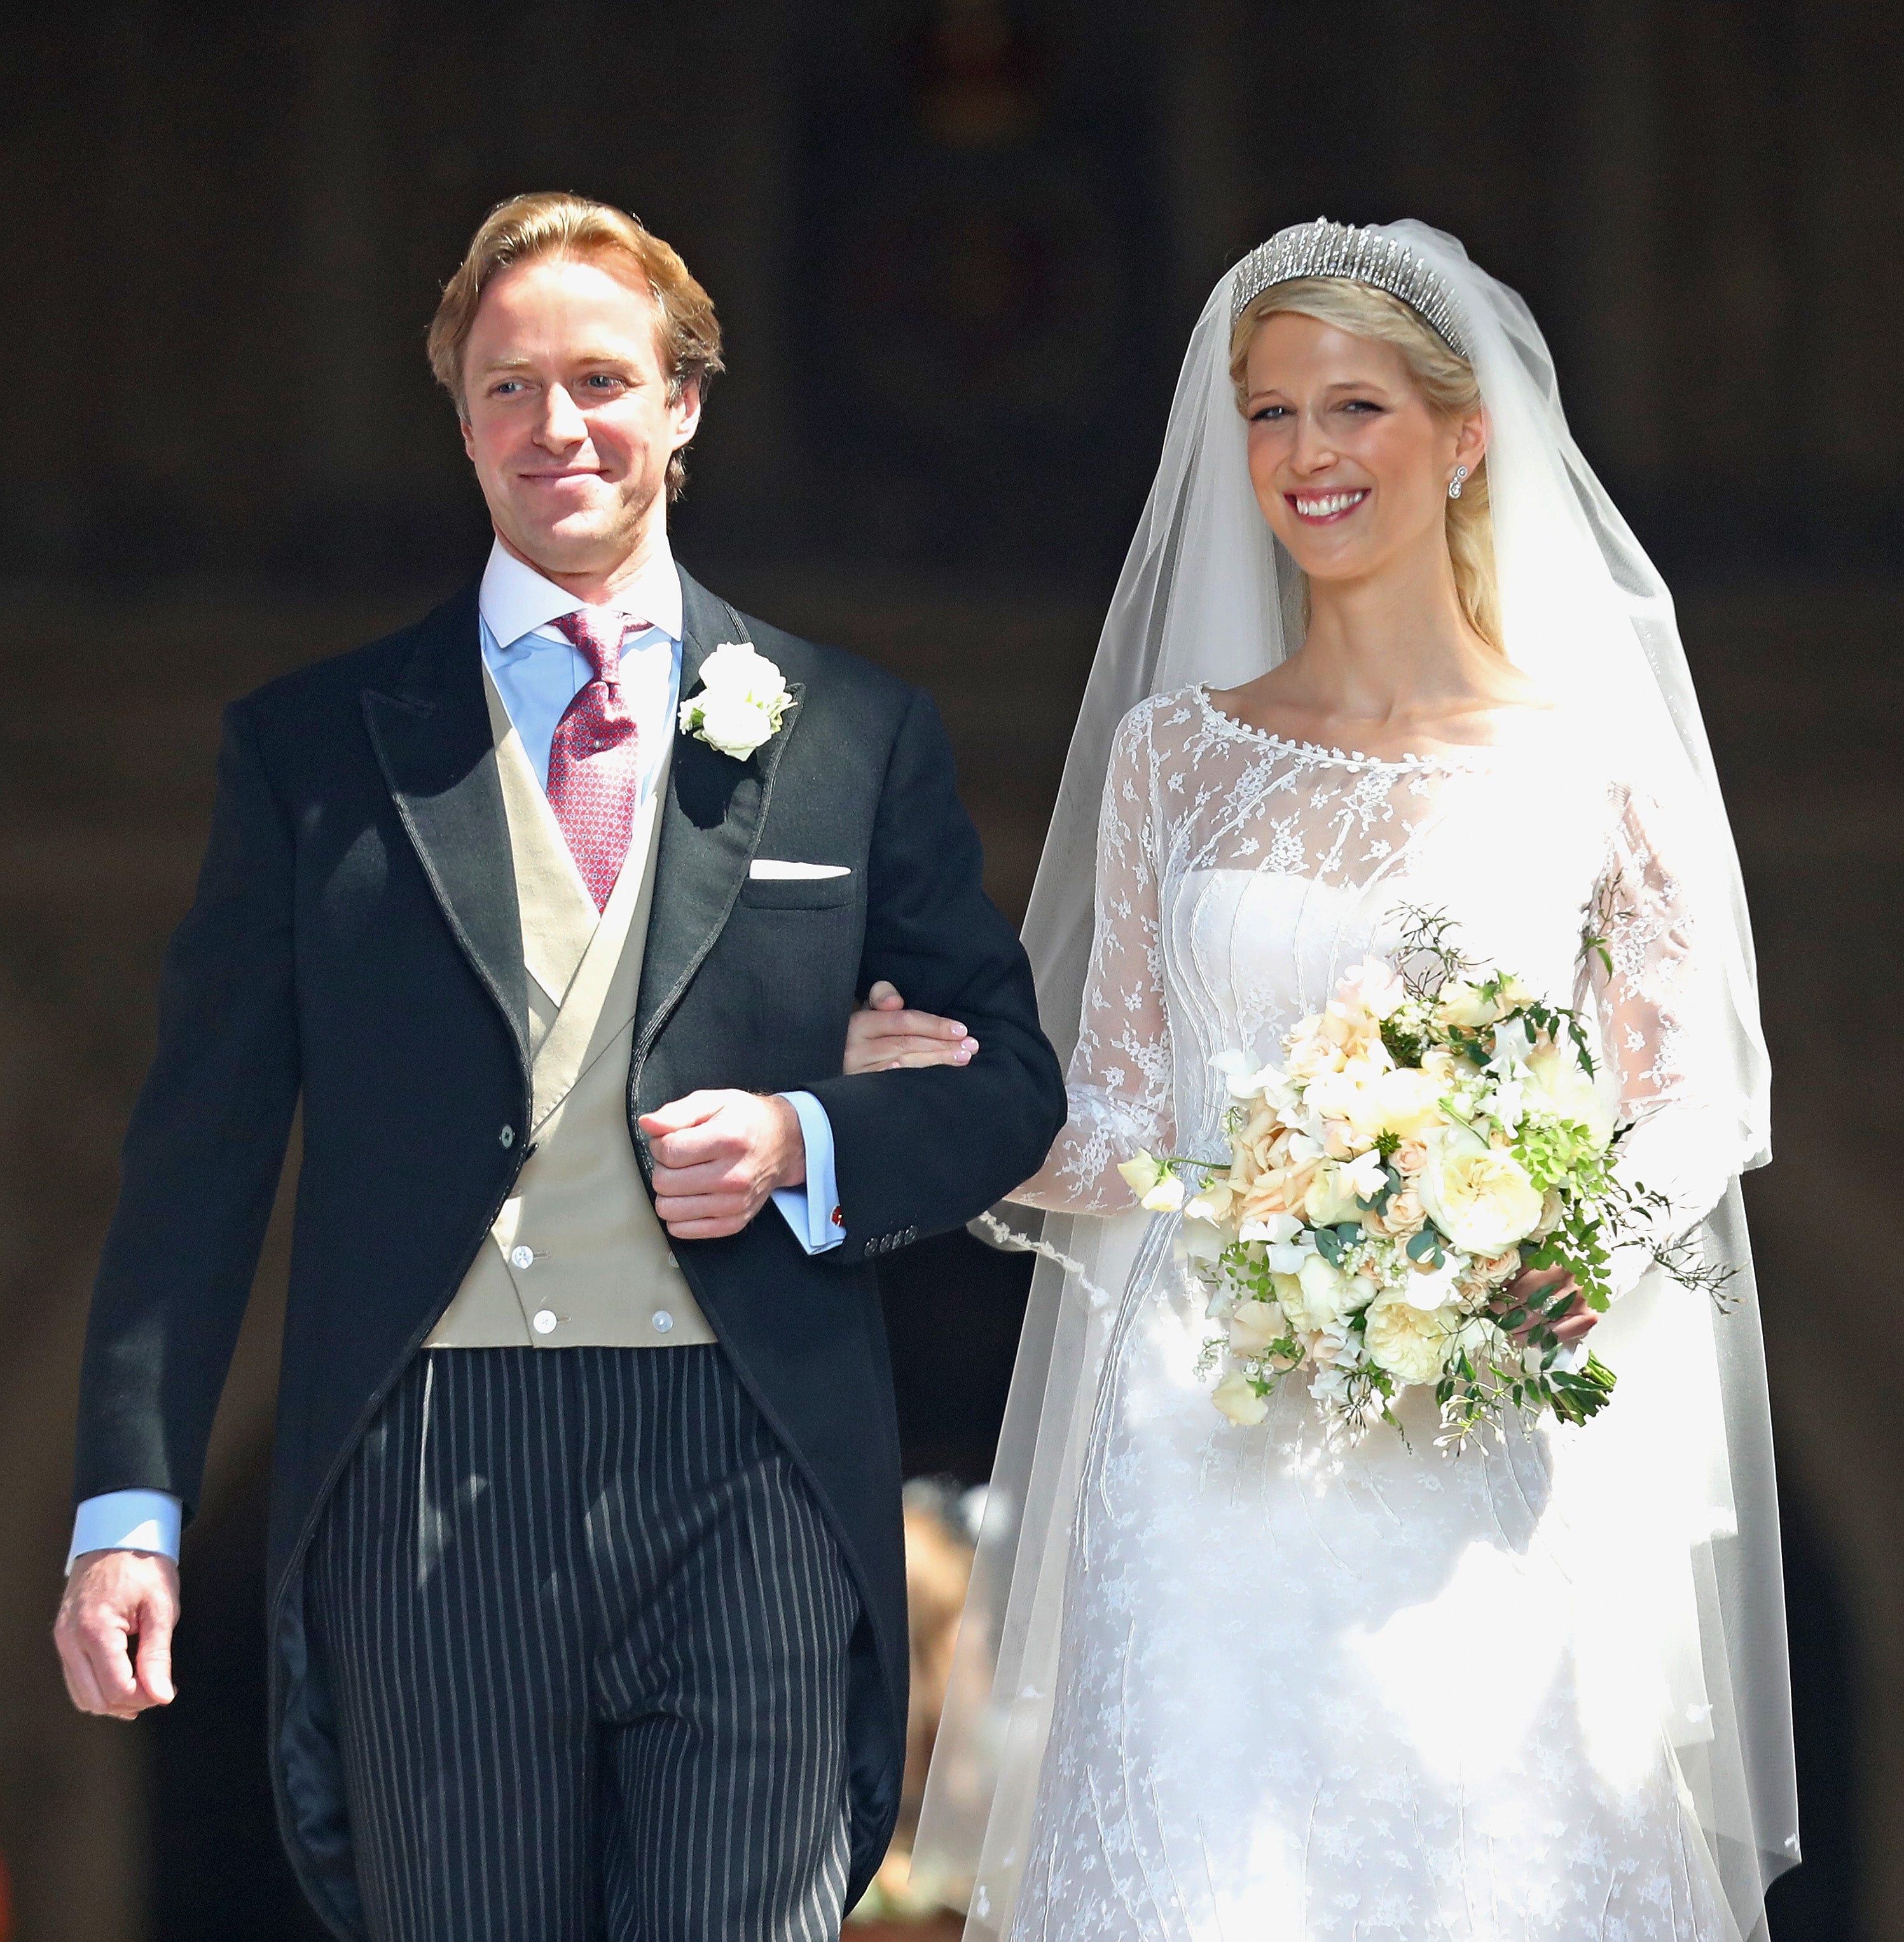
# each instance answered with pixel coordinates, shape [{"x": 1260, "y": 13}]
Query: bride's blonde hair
[{"x": 1447, "y": 381}]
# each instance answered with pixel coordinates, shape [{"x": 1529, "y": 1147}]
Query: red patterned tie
[{"x": 593, "y": 781}]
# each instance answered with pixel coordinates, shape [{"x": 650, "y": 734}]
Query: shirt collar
[{"x": 515, "y": 599}]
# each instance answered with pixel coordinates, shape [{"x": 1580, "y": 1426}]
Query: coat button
[
  {"x": 521, "y": 1258},
  {"x": 660, "y": 1321},
  {"x": 544, "y": 1321},
  {"x": 507, "y": 1137}
]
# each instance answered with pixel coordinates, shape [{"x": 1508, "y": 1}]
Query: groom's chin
[{"x": 587, "y": 539}]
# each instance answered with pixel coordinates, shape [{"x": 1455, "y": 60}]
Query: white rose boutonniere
[{"x": 741, "y": 702}]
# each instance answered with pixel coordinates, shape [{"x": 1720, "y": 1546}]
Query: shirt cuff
[
  {"x": 127, "y": 1521},
  {"x": 813, "y": 1212}
]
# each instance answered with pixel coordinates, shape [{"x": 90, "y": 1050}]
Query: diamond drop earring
[{"x": 1454, "y": 484}]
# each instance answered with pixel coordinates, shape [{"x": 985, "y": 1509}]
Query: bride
[{"x": 1220, "y": 1680}]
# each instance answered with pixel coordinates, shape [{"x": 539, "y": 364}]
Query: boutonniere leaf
[{"x": 741, "y": 701}]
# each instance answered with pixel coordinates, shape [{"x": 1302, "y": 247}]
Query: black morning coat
[{"x": 355, "y": 944}]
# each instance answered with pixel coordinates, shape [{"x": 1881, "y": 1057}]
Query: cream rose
[
  {"x": 1311, "y": 1052},
  {"x": 1236, "y": 1397},
  {"x": 1253, "y": 1325},
  {"x": 1335, "y": 1193},
  {"x": 1375, "y": 987},
  {"x": 1326, "y": 1295},
  {"x": 1554, "y": 1083},
  {"x": 1467, "y": 1006},
  {"x": 1405, "y": 1215},
  {"x": 1409, "y": 1342},
  {"x": 1408, "y": 1103},
  {"x": 1479, "y": 1196},
  {"x": 1288, "y": 1299}
]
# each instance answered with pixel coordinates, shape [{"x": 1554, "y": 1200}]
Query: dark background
[{"x": 957, "y": 245}]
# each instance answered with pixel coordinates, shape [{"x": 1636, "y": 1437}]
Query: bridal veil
[{"x": 1207, "y": 596}]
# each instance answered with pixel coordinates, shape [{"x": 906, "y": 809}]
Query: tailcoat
[{"x": 355, "y": 950}]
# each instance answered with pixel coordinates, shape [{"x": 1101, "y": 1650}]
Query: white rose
[
  {"x": 1289, "y": 1298},
  {"x": 1467, "y": 1005},
  {"x": 1375, "y": 987},
  {"x": 1479, "y": 1196},
  {"x": 1332, "y": 1094},
  {"x": 1236, "y": 1397},
  {"x": 1407, "y": 1103},
  {"x": 1310, "y": 1052},
  {"x": 735, "y": 668},
  {"x": 740, "y": 703},
  {"x": 735, "y": 724},
  {"x": 1409, "y": 1342},
  {"x": 1555, "y": 1083},
  {"x": 1327, "y": 1294},
  {"x": 1334, "y": 1192}
]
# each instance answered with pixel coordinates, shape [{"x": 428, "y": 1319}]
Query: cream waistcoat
[{"x": 576, "y": 1256}]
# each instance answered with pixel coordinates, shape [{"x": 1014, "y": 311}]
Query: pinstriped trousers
[{"x": 585, "y": 1631}]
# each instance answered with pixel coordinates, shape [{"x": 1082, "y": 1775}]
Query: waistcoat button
[
  {"x": 544, "y": 1321},
  {"x": 661, "y": 1321},
  {"x": 521, "y": 1258}
]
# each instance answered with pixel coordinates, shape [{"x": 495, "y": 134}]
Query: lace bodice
[
  {"x": 1241, "y": 874},
  {"x": 1254, "y": 1730}
]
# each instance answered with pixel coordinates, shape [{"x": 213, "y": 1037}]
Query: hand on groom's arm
[{"x": 921, "y": 1150}]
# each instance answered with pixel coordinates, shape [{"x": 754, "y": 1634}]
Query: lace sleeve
[
  {"x": 1656, "y": 1008},
  {"x": 1119, "y": 1085}
]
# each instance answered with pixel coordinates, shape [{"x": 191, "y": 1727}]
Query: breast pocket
[{"x": 798, "y": 893}]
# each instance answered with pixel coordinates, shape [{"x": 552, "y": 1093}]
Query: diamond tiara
[{"x": 1325, "y": 249}]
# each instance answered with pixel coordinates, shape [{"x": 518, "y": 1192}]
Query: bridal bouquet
[{"x": 1436, "y": 1133}]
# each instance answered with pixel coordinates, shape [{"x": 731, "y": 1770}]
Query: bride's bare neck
[{"x": 1389, "y": 665}]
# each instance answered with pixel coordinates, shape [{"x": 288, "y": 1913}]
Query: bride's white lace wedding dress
[{"x": 1307, "y": 1692}]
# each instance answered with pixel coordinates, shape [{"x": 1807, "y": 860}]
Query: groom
[{"x": 588, "y": 1611}]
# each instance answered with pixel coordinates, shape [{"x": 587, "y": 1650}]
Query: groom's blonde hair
[
  {"x": 553, "y": 223},
  {"x": 1446, "y": 379}
]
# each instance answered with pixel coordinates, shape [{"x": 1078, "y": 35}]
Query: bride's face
[{"x": 1350, "y": 465}]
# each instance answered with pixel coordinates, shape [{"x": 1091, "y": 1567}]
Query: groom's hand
[
  {"x": 114, "y": 1631},
  {"x": 717, "y": 1157}
]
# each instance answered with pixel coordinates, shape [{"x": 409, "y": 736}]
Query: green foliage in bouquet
[{"x": 1422, "y": 1192}]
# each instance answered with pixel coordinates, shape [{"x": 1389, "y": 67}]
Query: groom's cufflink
[{"x": 771, "y": 867}]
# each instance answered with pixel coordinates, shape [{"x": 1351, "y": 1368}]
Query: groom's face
[{"x": 569, "y": 418}]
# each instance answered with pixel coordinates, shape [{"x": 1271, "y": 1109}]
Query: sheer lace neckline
[{"x": 1241, "y": 731}]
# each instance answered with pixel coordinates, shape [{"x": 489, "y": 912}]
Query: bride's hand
[
  {"x": 1538, "y": 1286},
  {"x": 883, "y": 1034}
]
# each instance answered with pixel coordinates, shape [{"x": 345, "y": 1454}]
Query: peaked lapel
[
  {"x": 710, "y": 823},
  {"x": 431, "y": 730}
]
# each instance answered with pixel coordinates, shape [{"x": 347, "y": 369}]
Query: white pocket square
[{"x": 766, "y": 866}]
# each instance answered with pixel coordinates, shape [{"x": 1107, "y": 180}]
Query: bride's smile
[{"x": 1321, "y": 508}]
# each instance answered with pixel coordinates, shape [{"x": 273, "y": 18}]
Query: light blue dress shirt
[{"x": 538, "y": 671}]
